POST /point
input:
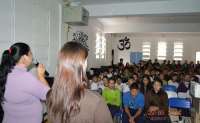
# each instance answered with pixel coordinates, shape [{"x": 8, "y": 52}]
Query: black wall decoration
[
  {"x": 81, "y": 37},
  {"x": 124, "y": 44},
  {"x": 113, "y": 55}
]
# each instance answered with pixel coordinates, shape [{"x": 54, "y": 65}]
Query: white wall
[
  {"x": 36, "y": 22},
  {"x": 93, "y": 27},
  {"x": 152, "y": 27},
  {"x": 191, "y": 44},
  {"x": 39, "y": 23}
]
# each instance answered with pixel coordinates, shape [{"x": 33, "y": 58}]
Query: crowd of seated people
[{"x": 137, "y": 89}]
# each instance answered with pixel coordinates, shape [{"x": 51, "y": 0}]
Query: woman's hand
[
  {"x": 131, "y": 120},
  {"x": 40, "y": 71}
]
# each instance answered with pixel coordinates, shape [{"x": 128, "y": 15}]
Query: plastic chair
[
  {"x": 184, "y": 95},
  {"x": 181, "y": 103},
  {"x": 171, "y": 94},
  {"x": 169, "y": 88}
]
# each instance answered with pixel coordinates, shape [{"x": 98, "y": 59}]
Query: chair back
[
  {"x": 171, "y": 94},
  {"x": 169, "y": 88},
  {"x": 180, "y": 103}
]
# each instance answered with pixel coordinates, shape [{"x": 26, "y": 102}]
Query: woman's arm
[{"x": 40, "y": 74}]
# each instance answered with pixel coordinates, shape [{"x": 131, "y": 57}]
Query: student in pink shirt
[{"x": 21, "y": 92}]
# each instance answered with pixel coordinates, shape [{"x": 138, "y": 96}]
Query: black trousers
[
  {"x": 113, "y": 109},
  {"x": 1, "y": 114}
]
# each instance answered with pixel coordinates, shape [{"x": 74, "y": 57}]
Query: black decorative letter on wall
[
  {"x": 81, "y": 37},
  {"x": 124, "y": 44}
]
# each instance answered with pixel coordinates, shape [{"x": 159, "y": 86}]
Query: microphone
[{"x": 45, "y": 73}]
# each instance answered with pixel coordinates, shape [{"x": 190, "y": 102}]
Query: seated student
[
  {"x": 183, "y": 92},
  {"x": 112, "y": 96},
  {"x": 125, "y": 86},
  {"x": 118, "y": 83},
  {"x": 156, "y": 104},
  {"x": 187, "y": 80},
  {"x": 94, "y": 83},
  {"x": 146, "y": 85},
  {"x": 126, "y": 73},
  {"x": 105, "y": 82},
  {"x": 185, "y": 66},
  {"x": 156, "y": 64},
  {"x": 136, "y": 78},
  {"x": 133, "y": 105},
  {"x": 184, "y": 86},
  {"x": 110, "y": 72},
  {"x": 163, "y": 78},
  {"x": 100, "y": 83},
  {"x": 174, "y": 81}
]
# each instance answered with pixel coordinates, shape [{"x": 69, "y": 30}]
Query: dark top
[
  {"x": 159, "y": 99},
  {"x": 145, "y": 89}
]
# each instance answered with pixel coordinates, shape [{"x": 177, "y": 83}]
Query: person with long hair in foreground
[
  {"x": 20, "y": 91},
  {"x": 69, "y": 101}
]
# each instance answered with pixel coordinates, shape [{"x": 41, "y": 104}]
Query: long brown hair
[{"x": 63, "y": 101}]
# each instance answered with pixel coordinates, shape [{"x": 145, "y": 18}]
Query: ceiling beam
[
  {"x": 145, "y": 8},
  {"x": 153, "y": 27}
]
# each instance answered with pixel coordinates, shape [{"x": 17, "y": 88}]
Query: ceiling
[
  {"x": 92, "y": 2},
  {"x": 172, "y": 12},
  {"x": 88, "y": 2},
  {"x": 150, "y": 19}
]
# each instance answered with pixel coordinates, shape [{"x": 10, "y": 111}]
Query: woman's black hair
[
  {"x": 147, "y": 77},
  {"x": 8, "y": 60},
  {"x": 149, "y": 85},
  {"x": 158, "y": 80}
]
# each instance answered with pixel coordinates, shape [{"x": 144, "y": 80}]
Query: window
[
  {"x": 162, "y": 50},
  {"x": 197, "y": 56},
  {"x": 146, "y": 49},
  {"x": 100, "y": 46},
  {"x": 178, "y": 50}
]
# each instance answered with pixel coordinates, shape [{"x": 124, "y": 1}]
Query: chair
[
  {"x": 182, "y": 104},
  {"x": 184, "y": 95},
  {"x": 171, "y": 94},
  {"x": 169, "y": 88}
]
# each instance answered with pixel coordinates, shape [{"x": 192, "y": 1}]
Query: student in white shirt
[{"x": 174, "y": 81}]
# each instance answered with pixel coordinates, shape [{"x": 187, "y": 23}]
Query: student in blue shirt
[{"x": 133, "y": 105}]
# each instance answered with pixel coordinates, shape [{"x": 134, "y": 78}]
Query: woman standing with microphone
[{"x": 21, "y": 92}]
